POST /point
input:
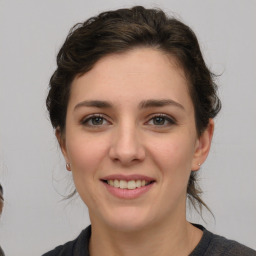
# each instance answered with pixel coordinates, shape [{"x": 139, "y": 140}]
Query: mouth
[{"x": 128, "y": 184}]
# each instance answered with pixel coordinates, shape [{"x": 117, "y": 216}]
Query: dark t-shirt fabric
[{"x": 209, "y": 245}]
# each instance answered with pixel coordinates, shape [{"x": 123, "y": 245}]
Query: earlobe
[{"x": 203, "y": 146}]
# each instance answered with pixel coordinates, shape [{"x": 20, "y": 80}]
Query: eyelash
[
  {"x": 86, "y": 121},
  {"x": 166, "y": 118},
  {"x": 92, "y": 117}
]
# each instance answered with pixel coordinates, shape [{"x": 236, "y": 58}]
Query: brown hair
[
  {"x": 1, "y": 198},
  {"x": 119, "y": 31}
]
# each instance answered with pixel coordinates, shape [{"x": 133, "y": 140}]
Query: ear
[
  {"x": 203, "y": 146},
  {"x": 62, "y": 143}
]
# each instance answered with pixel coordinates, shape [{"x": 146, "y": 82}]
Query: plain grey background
[{"x": 32, "y": 171}]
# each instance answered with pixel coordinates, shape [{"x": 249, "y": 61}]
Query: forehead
[{"x": 143, "y": 72}]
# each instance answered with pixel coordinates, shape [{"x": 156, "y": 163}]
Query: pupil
[
  {"x": 97, "y": 120},
  {"x": 159, "y": 120}
]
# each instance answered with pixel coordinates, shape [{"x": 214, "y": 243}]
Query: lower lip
[{"x": 128, "y": 193}]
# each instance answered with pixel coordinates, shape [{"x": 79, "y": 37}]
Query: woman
[{"x": 133, "y": 103}]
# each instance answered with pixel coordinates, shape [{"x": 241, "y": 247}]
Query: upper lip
[{"x": 128, "y": 177}]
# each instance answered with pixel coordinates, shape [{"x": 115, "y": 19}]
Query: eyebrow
[
  {"x": 94, "y": 103},
  {"x": 144, "y": 104},
  {"x": 159, "y": 103}
]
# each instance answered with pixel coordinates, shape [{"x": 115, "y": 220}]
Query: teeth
[
  {"x": 138, "y": 183},
  {"x": 131, "y": 184},
  {"x": 116, "y": 183},
  {"x": 123, "y": 184}
]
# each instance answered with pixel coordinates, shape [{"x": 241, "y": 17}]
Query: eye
[
  {"x": 161, "y": 120},
  {"x": 95, "y": 120}
]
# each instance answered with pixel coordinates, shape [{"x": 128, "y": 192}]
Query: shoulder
[
  {"x": 215, "y": 245},
  {"x": 62, "y": 250},
  {"x": 224, "y": 246},
  {"x": 79, "y": 246}
]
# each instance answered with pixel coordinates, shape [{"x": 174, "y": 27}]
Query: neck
[{"x": 174, "y": 238}]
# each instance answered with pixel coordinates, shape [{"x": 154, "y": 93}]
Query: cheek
[
  {"x": 86, "y": 153},
  {"x": 174, "y": 155},
  {"x": 86, "y": 156}
]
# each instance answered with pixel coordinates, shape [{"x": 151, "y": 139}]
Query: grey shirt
[{"x": 209, "y": 245}]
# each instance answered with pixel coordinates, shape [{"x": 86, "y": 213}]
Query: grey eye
[
  {"x": 97, "y": 120},
  {"x": 94, "y": 120},
  {"x": 159, "y": 120}
]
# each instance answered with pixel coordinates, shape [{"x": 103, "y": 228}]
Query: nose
[{"x": 127, "y": 147}]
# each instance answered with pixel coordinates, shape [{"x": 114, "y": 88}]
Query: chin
[
  {"x": 127, "y": 226},
  {"x": 128, "y": 220}
]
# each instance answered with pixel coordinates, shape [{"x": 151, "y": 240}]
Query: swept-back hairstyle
[{"x": 120, "y": 31}]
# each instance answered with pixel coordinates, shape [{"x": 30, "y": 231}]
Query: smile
[
  {"x": 131, "y": 184},
  {"x": 128, "y": 186}
]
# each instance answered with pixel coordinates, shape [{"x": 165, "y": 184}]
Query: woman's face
[{"x": 131, "y": 139}]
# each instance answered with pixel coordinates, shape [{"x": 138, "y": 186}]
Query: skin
[{"x": 131, "y": 137}]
